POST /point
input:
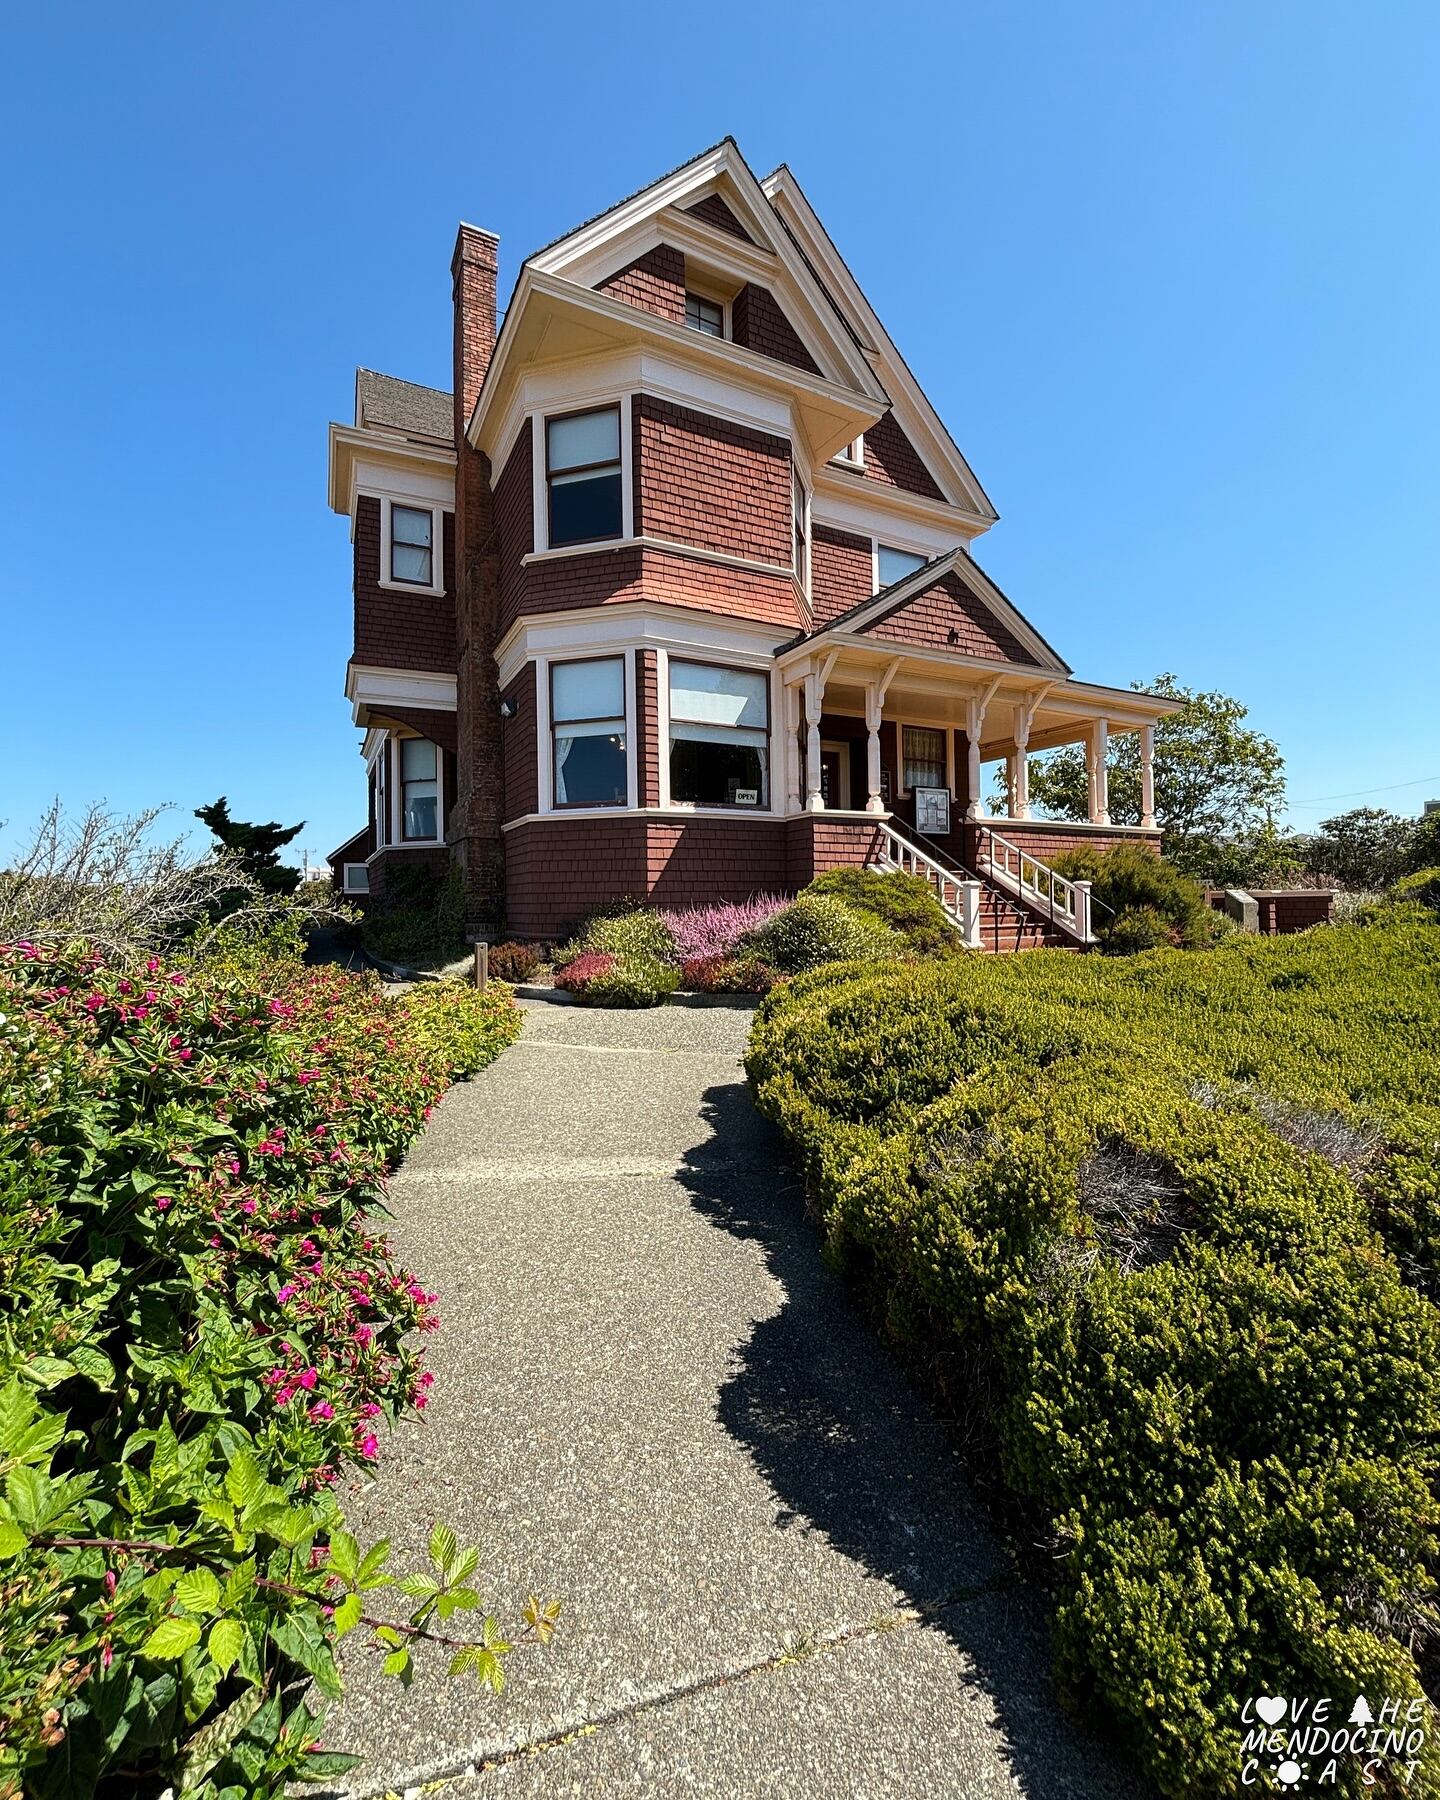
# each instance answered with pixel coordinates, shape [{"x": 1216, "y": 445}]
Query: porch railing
[
  {"x": 1068, "y": 905},
  {"x": 895, "y": 851}
]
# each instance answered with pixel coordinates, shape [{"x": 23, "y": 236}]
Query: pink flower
[
  {"x": 370, "y": 1446},
  {"x": 363, "y": 1334},
  {"x": 309, "y": 1378},
  {"x": 322, "y": 1409},
  {"x": 247, "y": 1206},
  {"x": 288, "y": 1292},
  {"x": 162, "y": 1203},
  {"x": 185, "y": 1055}
]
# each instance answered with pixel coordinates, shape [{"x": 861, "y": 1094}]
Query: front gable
[
  {"x": 947, "y": 615},
  {"x": 710, "y": 227}
]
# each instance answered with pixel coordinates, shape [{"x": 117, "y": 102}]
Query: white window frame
[
  {"x": 388, "y": 503},
  {"x": 799, "y": 480},
  {"x": 941, "y": 725},
  {"x": 852, "y": 456},
  {"x": 394, "y": 797},
  {"x": 892, "y": 543},
  {"x": 703, "y": 290},
  {"x": 545, "y": 741},
  {"x": 349, "y": 868},
  {"x": 539, "y": 487},
  {"x": 773, "y": 734}
]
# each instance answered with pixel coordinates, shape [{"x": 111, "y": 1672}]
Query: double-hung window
[
  {"x": 381, "y": 790},
  {"x": 412, "y": 545},
  {"x": 587, "y": 732},
  {"x": 923, "y": 755},
  {"x": 419, "y": 790},
  {"x": 893, "y": 565},
  {"x": 582, "y": 477},
  {"x": 719, "y": 735},
  {"x": 802, "y": 533},
  {"x": 705, "y": 315}
]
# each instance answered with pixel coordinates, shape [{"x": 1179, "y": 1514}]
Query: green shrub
[
  {"x": 1127, "y": 878},
  {"x": 820, "y": 928},
  {"x": 633, "y": 981},
  {"x": 419, "y": 920},
  {"x": 1421, "y": 889},
  {"x": 1144, "y": 1195},
  {"x": 636, "y": 933},
  {"x": 1135, "y": 928},
  {"x": 907, "y": 904},
  {"x": 202, "y": 1333}
]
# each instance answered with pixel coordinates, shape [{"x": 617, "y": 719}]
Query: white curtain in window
[{"x": 566, "y": 740}]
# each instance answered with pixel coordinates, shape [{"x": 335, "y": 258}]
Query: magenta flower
[{"x": 321, "y": 1410}]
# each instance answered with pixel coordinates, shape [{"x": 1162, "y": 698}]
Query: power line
[{"x": 1355, "y": 793}]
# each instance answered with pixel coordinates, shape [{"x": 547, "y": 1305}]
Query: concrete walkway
[{"x": 653, "y": 1403}]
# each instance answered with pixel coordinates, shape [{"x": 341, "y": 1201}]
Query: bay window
[
  {"x": 419, "y": 790},
  {"x": 583, "y": 477},
  {"x": 719, "y": 735},
  {"x": 380, "y": 795},
  {"x": 923, "y": 757},
  {"x": 587, "y": 732}
]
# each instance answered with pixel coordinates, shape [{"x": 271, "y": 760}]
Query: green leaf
[
  {"x": 443, "y": 1545},
  {"x": 298, "y": 1636},
  {"x": 398, "y": 1663},
  {"x": 347, "y": 1615},
  {"x": 198, "y": 1591},
  {"x": 344, "y": 1555},
  {"x": 171, "y": 1638},
  {"x": 226, "y": 1640},
  {"x": 371, "y": 1564},
  {"x": 387, "y": 1634},
  {"x": 418, "y": 1586},
  {"x": 12, "y": 1540},
  {"x": 463, "y": 1568},
  {"x": 47, "y": 1371},
  {"x": 318, "y": 1764},
  {"x": 244, "y": 1478},
  {"x": 28, "y": 1492},
  {"x": 94, "y": 1365}
]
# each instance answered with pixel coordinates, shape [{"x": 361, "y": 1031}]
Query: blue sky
[{"x": 1169, "y": 273}]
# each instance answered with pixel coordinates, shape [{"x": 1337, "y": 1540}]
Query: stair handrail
[
  {"x": 900, "y": 853},
  {"x": 1068, "y": 904}
]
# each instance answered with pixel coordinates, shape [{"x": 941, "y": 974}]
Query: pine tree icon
[{"x": 1360, "y": 1713}]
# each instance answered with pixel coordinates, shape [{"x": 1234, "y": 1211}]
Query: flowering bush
[
  {"x": 716, "y": 931},
  {"x": 200, "y": 1329},
  {"x": 581, "y": 970},
  {"x": 514, "y": 962},
  {"x": 744, "y": 974},
  {"x": 821, "y": 928}
]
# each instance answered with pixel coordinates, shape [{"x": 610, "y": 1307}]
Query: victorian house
[{"x": 673, "y": 596}]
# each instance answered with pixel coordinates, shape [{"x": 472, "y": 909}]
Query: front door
[{"x": 835, "y": 775}]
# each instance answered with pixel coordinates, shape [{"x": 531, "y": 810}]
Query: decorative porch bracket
[
  {"x": 1025, "y": 711},
  {"x": 875, "y": 692}
]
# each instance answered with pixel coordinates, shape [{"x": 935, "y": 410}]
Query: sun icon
[{"x": 1288, "y": 1774}]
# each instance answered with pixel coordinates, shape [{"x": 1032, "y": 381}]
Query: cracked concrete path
[{"x": 654, "y": 1403}]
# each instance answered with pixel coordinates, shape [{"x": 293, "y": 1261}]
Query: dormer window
[
  {"x": 582, "y": 475},
  {"x": 705, "y": 315},
  {"x": 852, "y": 455},
  {"x": 412, "y": 545}
]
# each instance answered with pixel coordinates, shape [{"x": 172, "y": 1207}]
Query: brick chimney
[{"x": 474, "y": 829}]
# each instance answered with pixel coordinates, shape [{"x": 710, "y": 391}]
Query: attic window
[
  {"x": 412, "y": 544},
  {"x": 892, "y": 565},
  {"x": 851, "y": 454},
  {"x": 705, "y": 315}
]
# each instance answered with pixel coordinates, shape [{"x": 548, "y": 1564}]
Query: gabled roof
[
  {"x": 913, "y": 411},
  {"x": 859, "y": 619},
  {"x": 612, "y": 239},
  {"x": 386, "y": 402}
]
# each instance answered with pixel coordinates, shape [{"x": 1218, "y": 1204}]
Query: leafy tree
[
  {"x": 1218, "y": 786},
  {"x": 256, "y": 848},
  {"x": 1367, "y": 847}
]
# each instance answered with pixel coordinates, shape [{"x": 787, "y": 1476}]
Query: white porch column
[
  {"x": 1147, "y": 777},
  {"x": 1099, "y": 746},
  {"x": 792, "y": 749},
  {"x": 974, "y": 724},
  {"x": 814, "y": 700},
  {"x": 873, "y": 703}
]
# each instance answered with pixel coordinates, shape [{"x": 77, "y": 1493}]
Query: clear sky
[{"x": 1168, "y": 272}]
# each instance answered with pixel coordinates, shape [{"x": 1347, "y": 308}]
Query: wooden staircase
[{"x": 1015, "y": 904}]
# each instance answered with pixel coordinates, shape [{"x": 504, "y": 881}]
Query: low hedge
[
  {"x": 202, "y": 1328},
  {"x": 1181, "y": 1211}
]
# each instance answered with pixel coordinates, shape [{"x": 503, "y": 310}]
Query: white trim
[
  {"x": 762, "y": 815},
  {"x": 544, "y": 738},
  {"x": 841, "y": 747},
  {"x": 345, "y": 868},
  {"x": 847, "y": 503},
  {"x": 811, "y": 313},
  {"x": 361, "y": 456},
  {"x": 540, "y": 486},
  {"x": 637, "y": 625},
  {"x": 367, "y": 685},
  {"x": 436, "y": 585},
  {"x": 921, "y": 423},
  {"x": 647, "y": 541},
  {"x": 397, "y": 797},
  {"x": 892, "y": 543}
]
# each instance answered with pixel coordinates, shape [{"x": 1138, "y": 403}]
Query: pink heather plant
[{"x": 717, "y": 930}]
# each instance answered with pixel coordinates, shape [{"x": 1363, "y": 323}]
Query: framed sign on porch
[{"x": 932, "y": 811}]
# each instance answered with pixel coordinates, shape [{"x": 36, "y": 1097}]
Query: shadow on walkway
[{"x": 854, "y": 1454}]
